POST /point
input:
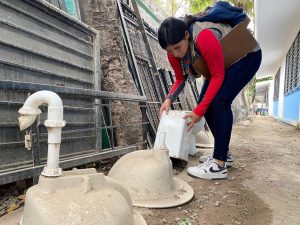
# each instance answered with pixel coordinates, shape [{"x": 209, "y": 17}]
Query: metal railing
[{"x": 30, "y": 168}]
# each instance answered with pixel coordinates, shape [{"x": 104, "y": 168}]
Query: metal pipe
[{"x": 83, "y": 93}]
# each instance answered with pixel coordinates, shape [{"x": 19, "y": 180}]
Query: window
[
  {"x": 292, "y": 69},
  {"x": 276, "y": 85}
]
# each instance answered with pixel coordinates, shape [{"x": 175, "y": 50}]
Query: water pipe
[{"x": 54, "y": 124}]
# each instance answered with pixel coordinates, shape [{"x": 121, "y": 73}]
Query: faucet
[{"x": 54, "y": 124}]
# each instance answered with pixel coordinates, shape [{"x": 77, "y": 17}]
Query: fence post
[{"x": 143, "y": 106}]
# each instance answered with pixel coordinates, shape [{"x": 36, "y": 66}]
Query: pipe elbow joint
[{"x": 27, "y": 116}]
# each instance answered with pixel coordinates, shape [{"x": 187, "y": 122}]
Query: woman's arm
[
  {"x": 211, "y": 51},
  {"x": 180, "y": 81}
]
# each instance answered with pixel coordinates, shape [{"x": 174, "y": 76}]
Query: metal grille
[
  {"x": 276, "y": 85},
  {"x": 154, "y": 87},
  {"x": 168, "y": 81},
  {"x": 141, "y": 52},
  {"x": 138, "y": 58},
  {"x": 39, "y": 45},
  {"x": 150, "y": 90},
  {"x": 292, "y": 70},
  {"x": 43, "y": 49}
]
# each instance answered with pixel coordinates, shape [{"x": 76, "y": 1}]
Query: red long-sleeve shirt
[{"x": 211, "y": 52}]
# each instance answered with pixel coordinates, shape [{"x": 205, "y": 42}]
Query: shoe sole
[
  {"x": 229, "y": 164},
  {"x": 207, "y": 178}
]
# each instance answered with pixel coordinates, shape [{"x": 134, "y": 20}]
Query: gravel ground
[{"x": 263, "y": 186}]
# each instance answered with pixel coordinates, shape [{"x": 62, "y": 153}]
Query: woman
[{"x": 220, "y": 87}]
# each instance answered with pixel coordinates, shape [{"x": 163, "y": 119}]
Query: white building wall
[
  {"x": 281, "y": 89},
  {"x": 270, "y": 97}
]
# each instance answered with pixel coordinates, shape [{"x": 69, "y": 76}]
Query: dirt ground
[{"x": 263, "y": 186}]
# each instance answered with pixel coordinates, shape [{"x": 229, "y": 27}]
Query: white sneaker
[
  {"x": 208, "y": 170},
  {"x": 229, "y": 161}
]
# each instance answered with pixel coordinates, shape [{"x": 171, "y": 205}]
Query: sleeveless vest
[
  {"x": 220, "y": 28},
  {"x": 236, "y": 42}
]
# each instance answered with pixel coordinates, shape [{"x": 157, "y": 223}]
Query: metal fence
[
  {"x": 141, "y": 62},
  {"x": 44, "y": 49},
  {"x": 154, "y": 100}
]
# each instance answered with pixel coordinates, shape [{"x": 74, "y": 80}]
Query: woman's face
[{"x": 179, "y": 50}]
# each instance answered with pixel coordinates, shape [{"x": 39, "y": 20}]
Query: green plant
[
  {"x": 185, "y": 221},
  {"x": 171, "y": 7}
]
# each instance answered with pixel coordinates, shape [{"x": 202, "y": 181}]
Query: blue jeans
[{"x": 219, "y": 115}]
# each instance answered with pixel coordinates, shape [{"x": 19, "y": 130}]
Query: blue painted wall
[
  {"x": 275, "y": 108},
  {"x": 291, "y": 106}
]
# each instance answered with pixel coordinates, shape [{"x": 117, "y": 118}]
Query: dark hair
[{"x": 171, "y": 31}]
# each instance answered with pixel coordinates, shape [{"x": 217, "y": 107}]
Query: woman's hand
[
  {"x": 165, "y": 106},
  {"x": 193, "y": 119}
]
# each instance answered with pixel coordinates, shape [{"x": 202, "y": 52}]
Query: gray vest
[{"x": 221, "y": 28}]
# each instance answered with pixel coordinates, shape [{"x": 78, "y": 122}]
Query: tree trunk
[{"x": 103, "y": 16}]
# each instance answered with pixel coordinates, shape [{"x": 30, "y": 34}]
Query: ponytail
[{"x": 190, "y": 19}]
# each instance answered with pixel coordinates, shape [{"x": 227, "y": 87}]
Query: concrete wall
[
  {"x": 291, "y": 106},
  {"x": 281, "y": 89},
  {"x": 287, "y": 108},
  {"x": 270, "y": 98},
  {"x": 275, "y": 109}
]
